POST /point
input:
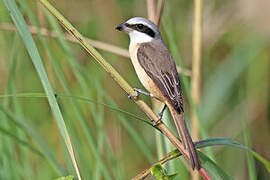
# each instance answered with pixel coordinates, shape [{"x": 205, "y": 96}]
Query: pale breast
[{"x": 146, "y": 81}]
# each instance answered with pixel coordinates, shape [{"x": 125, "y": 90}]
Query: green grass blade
[
  {"x": 36, "y": 59},
  {"x": 250, "y": 158},
  {"x": 25, "y": 155},
  {"x": 27, "y": 128},
  {"x": 82, "y": 82},
  {"x": 210, "y": 166},
  {"x": 8, "y": 151},
  {"x": 62, "y": 80},
  {"x": 233, "y": 143},
  {"x": 79, "y": 98},
  {"x": 11, "y": 167}
]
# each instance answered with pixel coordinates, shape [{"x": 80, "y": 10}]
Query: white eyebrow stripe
[{"x": 146, "y": 22}]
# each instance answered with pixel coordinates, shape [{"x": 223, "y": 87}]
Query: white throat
[{"x": 138, "y": 37}]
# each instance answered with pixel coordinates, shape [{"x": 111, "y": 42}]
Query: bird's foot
[
  {"x": 160, "y": 115},
  {"x": 156, "y": 123},
  {"x": 138, "y": 91},
  {"x": 134, "y": 96}
]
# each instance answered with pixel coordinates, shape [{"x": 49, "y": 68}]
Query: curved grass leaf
[
  {"x": 108, "y": 106},
  {"x": 36, "y": 59},
  {"x": 233, "y": 143},
  {"x": 210, "y": 166},
  {"x": 42, "y": 95}
]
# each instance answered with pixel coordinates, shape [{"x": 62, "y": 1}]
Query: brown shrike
[{"x": 157, "y": 72}]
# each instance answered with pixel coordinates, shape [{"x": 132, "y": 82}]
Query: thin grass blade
[{"x": 36, "y": 59}]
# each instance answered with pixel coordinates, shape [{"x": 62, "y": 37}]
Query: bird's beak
[{"x": 120, "y": 27}]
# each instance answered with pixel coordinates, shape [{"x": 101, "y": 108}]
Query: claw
[
  {"x": 160, "y": 115},
  {"x": 136, "y": 95},
  {"x": 140, "y": 91},
  {"x": 155, "y": 124}
]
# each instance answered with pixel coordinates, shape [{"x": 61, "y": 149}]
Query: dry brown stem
[
  {"x": 45, "y": 32},
  {"x": 160, "y": 8},
  {"x": 196, "y": 66},
  {"x": 151, "y": 9}
]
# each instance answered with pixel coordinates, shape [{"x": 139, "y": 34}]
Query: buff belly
[{"x": 146, "y": 81}]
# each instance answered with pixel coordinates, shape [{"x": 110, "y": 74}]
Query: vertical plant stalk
[
  {"x": 119, "y": 79},
  {"x": 196, "y": 73},
  {"x": 156, "y": 104},
  {"x": 151, "y": 9},
  {"x": 160, "y": 8},
  {"x": 160, "y": 149},
  {"x": 162, "y": 144}
]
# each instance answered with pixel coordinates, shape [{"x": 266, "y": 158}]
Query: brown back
[{"x": 158, "y": 63}]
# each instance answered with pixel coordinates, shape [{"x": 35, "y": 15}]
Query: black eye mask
[{"x": 142, "y": 28}]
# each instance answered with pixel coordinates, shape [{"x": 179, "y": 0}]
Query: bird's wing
[{"x": 158, "y": 63}]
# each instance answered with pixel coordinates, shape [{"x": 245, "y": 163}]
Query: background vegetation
[{"x": 108, "y": 139}]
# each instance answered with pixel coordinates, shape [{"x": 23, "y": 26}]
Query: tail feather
[{"x": 186, "y": 138}]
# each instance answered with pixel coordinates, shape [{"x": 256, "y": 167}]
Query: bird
[{"x": 157, "y": 72}]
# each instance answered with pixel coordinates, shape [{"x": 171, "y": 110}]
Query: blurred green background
[{"x": 109, "y": 143}]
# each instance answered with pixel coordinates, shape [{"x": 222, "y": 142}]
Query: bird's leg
[
  {"x": 142, "y": 92},
  {"x": 160, "y": 115}
]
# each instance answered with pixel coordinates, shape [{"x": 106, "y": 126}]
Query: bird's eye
[{"x": 140, "y": 26}]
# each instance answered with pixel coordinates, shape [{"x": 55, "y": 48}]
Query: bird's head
[{"x": 140, "y": 30}]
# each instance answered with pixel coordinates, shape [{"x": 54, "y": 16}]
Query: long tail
[{"x": 185, "y": 137}]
